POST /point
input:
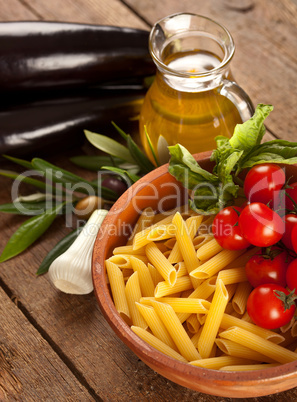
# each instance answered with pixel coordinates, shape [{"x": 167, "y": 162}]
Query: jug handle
[{"x": 239, "y": 98}]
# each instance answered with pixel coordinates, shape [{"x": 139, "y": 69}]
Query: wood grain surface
[{"x": 58, "y": 347}]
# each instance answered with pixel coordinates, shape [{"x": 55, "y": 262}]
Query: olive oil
[{"x": 175, "y": 110}]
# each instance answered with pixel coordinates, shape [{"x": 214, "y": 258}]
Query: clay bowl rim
[{"x": 151, "y": 356}]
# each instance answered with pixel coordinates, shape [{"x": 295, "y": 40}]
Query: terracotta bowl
[{"x": 124, "y": 214}]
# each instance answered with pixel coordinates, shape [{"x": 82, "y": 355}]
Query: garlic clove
[{"x": 71, "y": 271}]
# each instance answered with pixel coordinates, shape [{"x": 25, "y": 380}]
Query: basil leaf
[
  {"x": 66, "y": 178},
  {"x": 109, "y": 146},
  {"x": 59, "y": 249},
  {"x": 180, "y": 155},
  {"x": 124, "y": 173},
  {"x": 21, "y": 162},
  {"x": 94, "y": 163},
  {"x": 29, "y": 232},
  {"x": 223, "y": 145},
  {"x": 187, "y": 177},
  {"x": 250, "y": 133},
  {"x": 276, "y": 151},
  {"x": 209, "y": 198},
  {"x": 224, "y": 169},
  {"x": 24, "y": 208}
]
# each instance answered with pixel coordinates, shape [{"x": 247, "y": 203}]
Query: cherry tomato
[
  {"x": 290, "y": 221},
  {"x": 291, "y": 276},
  {"x": 263, "y": 183},
  {"x": 260, "y": 225},
  {"x": 292, "y": 192},
  {"x": 267, "y": 310},
  {"x": 267, "y": 268},
  {"x": 226, "y": 230},
  {"x": 294, "y": 238}
]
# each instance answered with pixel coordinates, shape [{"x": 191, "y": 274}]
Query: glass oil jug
[{"x": 194, "y": 97}]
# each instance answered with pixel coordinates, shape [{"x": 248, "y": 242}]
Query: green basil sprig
[{"x": 212, "y": 191}]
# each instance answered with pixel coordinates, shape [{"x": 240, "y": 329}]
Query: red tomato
[
  {"x": 260, "y": 225},
  {"x": 294, "y": 238},
  {"x": 291, "y": 276},
  {"x": 226, "y": 230},
  {"x": 290, "y": 221},
  {"x": 267, "y": 310},
  {"x": 267, "y": 268},
  {"x": 292, "y": 192},
  {"x": 263, "y": 183}
]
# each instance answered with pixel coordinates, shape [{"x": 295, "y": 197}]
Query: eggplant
[
  {"x": 37, "y": 56},
  {"x": 52, "y": 125}
]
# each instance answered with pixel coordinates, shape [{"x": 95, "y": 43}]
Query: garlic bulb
[{"x": 71, "y": 271}]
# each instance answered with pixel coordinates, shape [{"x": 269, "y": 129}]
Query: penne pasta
[
  {"x": 215, "y": 264},
  {"x": 181, "y": 269},
  {"x": 232, "y": 275},
  {"x": 215, "y": 363},
  {"x": 117, "y": 285},
  {"x": 157, "y": 344},
  {"x": 156, "y": 276},
  {"x": 123, "y": 260},
  {"x": 203, "y": 291},
  {"x": 240, "y": 297},
  {"x": 186, "y": 296},
  {"x": 181, "y": 209},
  {"x": 201, "y": 240},
  {"x": 235, "y": 349},
  {"x": 161, "y": 263},
  {"x": 181, "y": 284},
  {"x": 188, "y": 305},
  {"x": 161, "y": 232},
  {"x": 195, "y": 338},
  {"x": 145, "y": 280},
  {"x": 128, "y": 250},
  {"x": 193, "y": 223},
  {"x": 177, "y": 331},
  {"x": 213, "y": 320},
  {"x": 230, "y": 321},
  {"x": 185, "y": 243},
  {"x": 208, "y": 250},
  {"x": 133, "y": 295},
  {"x": 140, "y": 239},
  {"x": 145, "y": 220},
  {"x": 255, "y": 342},
  {"x": 175, "y": 255},
  {"x": 193, "y": 324},
  {"x": 186, "y": 246},
  {"x": 155, "y": 324}
]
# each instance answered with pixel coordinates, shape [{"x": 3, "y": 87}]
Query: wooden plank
[
  {"x": 73, "y": 324},
  {"x": 29, "y": 368},
  {"x": 14, "y": 10},
  {"x": 105, "y": 12},
  {"x": 266, "y": 53}
]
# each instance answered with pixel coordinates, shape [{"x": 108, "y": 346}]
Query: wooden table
[{"x": 58, "y": 347}]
